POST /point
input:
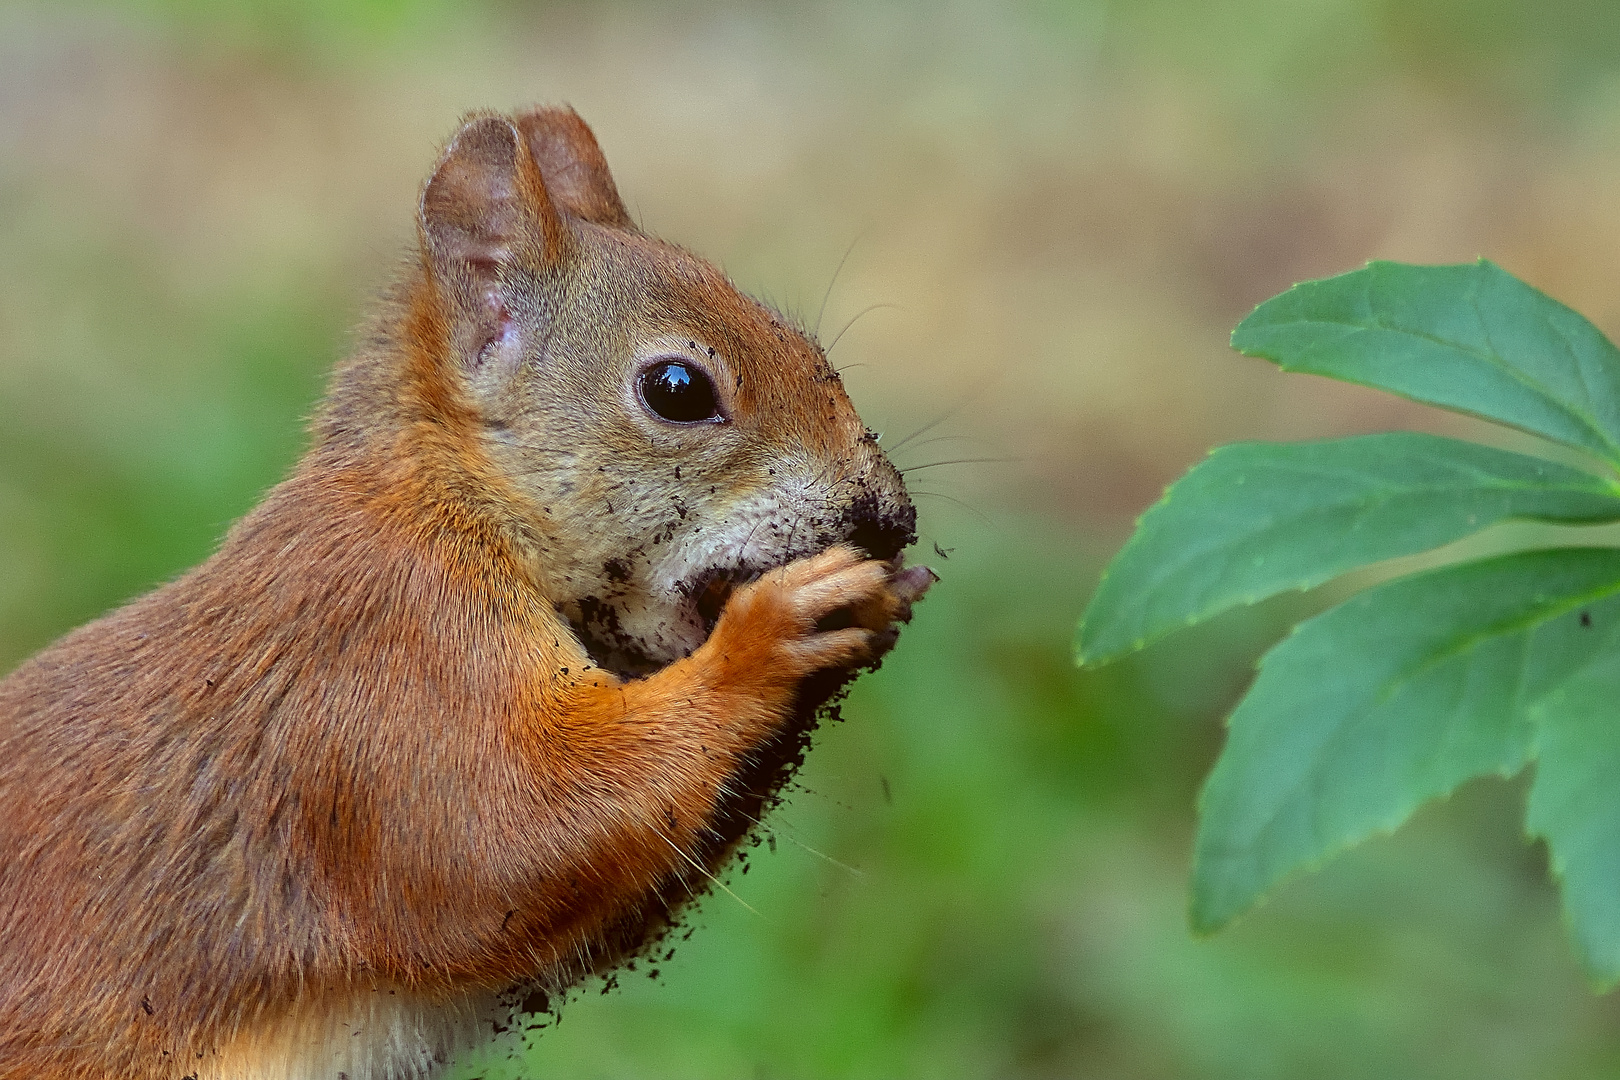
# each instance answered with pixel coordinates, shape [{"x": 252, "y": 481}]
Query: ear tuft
[{"x": 576, "y": 173}]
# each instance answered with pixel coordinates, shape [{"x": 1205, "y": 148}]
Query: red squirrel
[{"x": 468, "y": 705}]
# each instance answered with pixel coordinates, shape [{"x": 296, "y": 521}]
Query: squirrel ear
[
  {"x": 575, "y": 171},
  {"x": 486, "y": 205}
]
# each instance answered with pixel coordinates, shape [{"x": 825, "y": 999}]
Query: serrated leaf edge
[
  {"x": 1304, "y": 583},
  {"x": 1207, "y": 928}
]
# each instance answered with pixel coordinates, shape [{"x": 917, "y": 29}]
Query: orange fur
[{"x": 357, "y": 774}]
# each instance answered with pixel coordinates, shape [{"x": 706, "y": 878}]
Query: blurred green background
[{"x": 1067, "y": 205}]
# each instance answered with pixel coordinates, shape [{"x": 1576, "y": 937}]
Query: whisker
[
  {"x": 957, "y": 461},
  {"x": 856, "y": 319},
  {"x": 945, "y": 438},
  {"x": 816, "y": 333},
  {"x": 855, "y": 871},
  {"x": 930, "y": 426},
  {"x": 962, "y": 402},
  {"x": 974, "y": 510},
  {"x": 778, "y": 827},
  {"x": 704, "y": 871}
]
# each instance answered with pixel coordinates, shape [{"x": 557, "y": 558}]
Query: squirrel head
[{"x": 663, "y": 436}]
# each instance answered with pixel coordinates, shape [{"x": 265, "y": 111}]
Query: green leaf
[
  {"x": 1573, "y": 803},
  {"x": 1257, "y": 519},
  {"x": 1394, "y": 697},
  {"x": 1471, "y": 338}
]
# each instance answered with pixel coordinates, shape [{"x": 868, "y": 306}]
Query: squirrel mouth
[
  {"x": 711, "y": 599},
  {"x": 711, "y": 589}
]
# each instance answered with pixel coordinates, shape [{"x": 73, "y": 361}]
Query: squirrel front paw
[{"x": 835, "y": 609}]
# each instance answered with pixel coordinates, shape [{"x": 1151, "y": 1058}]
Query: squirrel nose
[{"x": 882, "y": 529}]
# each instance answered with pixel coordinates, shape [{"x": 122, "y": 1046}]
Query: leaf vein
[{"x": 1540, "y": 392}]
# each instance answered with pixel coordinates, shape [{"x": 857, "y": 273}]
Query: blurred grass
[{"x": 1072, "y": 203}]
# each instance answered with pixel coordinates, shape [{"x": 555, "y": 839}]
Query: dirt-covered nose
[{"x": 882, "y": 527}]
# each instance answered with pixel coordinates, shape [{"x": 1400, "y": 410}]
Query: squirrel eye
[{"x": 679, "y": 392}]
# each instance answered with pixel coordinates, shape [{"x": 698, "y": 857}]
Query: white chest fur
[{"x": 373, "y": 1033}]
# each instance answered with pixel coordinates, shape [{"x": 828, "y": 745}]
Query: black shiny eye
[{"x": 679, "y": 392}]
